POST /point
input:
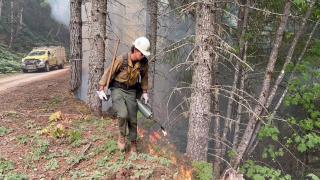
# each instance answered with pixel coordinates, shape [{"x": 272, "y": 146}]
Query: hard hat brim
[{"x": 145, "y": 53}]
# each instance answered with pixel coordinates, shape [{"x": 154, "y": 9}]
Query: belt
[{"x": 124, "y": 86}]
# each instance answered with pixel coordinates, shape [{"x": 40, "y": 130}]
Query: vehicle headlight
[{"x": 40, "y": 62}]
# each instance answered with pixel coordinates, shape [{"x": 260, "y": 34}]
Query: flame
[
  {"x": 152, "y": 151},
  {"x": 141, "y": 133},
  {"x": 173, "y": 160},
  {"x": 154, "y": 137},
  {"x": 185, "y": 173}
]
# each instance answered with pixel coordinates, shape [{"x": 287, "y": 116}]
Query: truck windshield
[{"x": 37, "y": 53}]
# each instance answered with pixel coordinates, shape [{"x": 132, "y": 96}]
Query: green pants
[{"x": 125, "y": 104}]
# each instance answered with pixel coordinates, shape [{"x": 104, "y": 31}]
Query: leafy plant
[
  {"x": 74, "y": 159},
  {"x": 23, "y": 139},
  {"x": 52, "y": 165},
  {"x": 12, "y": 114},
  {"x": 103, "y": 162},
  {"x": 55, "y": 116},
  {"x": 30, "y": 125},
  {"x": 15, "y": 176},
  {"x": 269, "y": 131},
  {"x": 75, "y": 138},
  {"x": 111, "y": 147},
  {"x": 40, "y": 148},
  {"x": 5, "y": 166},
  {"x": 202, "y": 170},
  {"x": 54, "y": 130},
  {"x": 271, "y": 152},
  {"x": 304, "y": 93},
  {"x": 257, "y": 172},
  {"x": 143, "y": 173},
  {"x": 77, "y": 175},
  {"x": 10, "y": 61},
  {"x": 4, "y": 131}
]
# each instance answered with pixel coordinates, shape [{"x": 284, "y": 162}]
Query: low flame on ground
[
  {"x": 141, "y": 133},
  {"x": 152, "y": 151},
  {"x": 173, "y": 160},
  {"x": 185, "y": 173},
  {"x": 154, "y": 137}
]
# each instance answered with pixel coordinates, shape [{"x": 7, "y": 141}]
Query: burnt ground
[{"x": 45, "y": 133}]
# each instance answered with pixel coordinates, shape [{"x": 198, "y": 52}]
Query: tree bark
[
  {"x": 295, "y": 67},
  {"x": 200, "y": 103},
  {"x": 1, "y": 5},
  {"x": 243, "y": 77},
  {"x": 75, "y": 44},
  {"x": 152, "y": 9},
  {"x": 217, "y": 119},
  {"x": 11, "y": 23},
  {"x": 289, "y": 55},
  {"x": 20, "y": 22},
  {"x": 97, "y": 55},
  {"x": 58, "y": 30},
  {"x": 245, "y": 140},
  {"x": 280, "y": 77},
  {"x": 242, "y": 24}
]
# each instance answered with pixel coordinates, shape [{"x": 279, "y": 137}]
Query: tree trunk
[
  {"x": 75, "y": 44},
  {"x": 200, "y": 103},
  {"x": 243, "y": 145},
  {"x": 243, "y": 77},
  {"x": 242, "y": 24},
  {"x": 289, "y": 55},
  {"x": 58, "y": 30},
  {"x": 152, "y": 9},
  {"x": 20, "y": 22},
  {"x": 97, "y": 55},
  {"x": 295, "y": 67},
  {"x": 11, "y": 23},
  {"x": 218, "y": 141},
  {"x": 1, "y": 5},
  {"x": 274, "y": 89}
]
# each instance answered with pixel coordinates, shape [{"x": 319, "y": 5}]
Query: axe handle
[{"x": 112, "y": 63}]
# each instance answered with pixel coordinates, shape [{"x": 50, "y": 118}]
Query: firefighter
[{"x": 129, "y": 79}]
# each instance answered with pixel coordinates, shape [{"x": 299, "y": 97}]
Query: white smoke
[{"x": 60, "y": 11}]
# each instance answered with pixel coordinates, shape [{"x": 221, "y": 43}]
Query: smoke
[{"x": 60, "y": 11}]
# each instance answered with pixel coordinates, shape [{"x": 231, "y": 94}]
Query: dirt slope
[{"x": 74, "y": 144}]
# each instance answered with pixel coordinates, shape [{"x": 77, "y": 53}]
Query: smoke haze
[{"x": 60, "y": 11}]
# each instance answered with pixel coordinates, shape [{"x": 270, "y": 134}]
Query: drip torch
[{"x": 145, "y": 109}]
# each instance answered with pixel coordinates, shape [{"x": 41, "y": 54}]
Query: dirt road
[{"x": 9, "y": 82}]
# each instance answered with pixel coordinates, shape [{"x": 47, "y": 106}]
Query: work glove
[
  {"x": 102, "y": 95},
  {"x": 145, "y": 97}
]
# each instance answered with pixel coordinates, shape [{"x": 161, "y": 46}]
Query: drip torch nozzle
[{"x": 146, "y": 111}]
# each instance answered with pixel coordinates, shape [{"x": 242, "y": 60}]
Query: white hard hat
[{"x": 143, "y": 45}]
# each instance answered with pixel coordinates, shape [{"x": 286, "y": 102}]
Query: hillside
[
  {"x": 49, "y": 134},
  {"x": 10, "y": 61},
  {"x": 25, "y": 25}
]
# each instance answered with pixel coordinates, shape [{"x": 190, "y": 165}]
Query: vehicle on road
[{"x": 44, "y": 58}]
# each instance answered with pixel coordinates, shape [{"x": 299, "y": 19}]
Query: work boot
[
  {"x": 133, "y": 147},
  {"x": 121, "y": 143}
]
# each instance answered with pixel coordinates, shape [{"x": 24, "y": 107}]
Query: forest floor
[{"x": 45, "y": 133}]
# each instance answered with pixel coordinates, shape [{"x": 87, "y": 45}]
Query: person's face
[{"x": 137, "y": 55}]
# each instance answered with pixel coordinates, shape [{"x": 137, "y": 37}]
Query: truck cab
[{"x": 44, "y": 58}]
